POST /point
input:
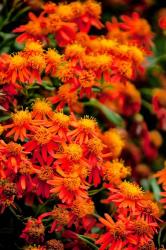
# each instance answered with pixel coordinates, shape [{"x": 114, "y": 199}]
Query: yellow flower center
[
  {"x": 14, "y": 148},
  {"x": 86, "y": 78},
  {"x": 132, "y": 191},
  {"x": 54, "y": 245},
  {"x": 61, "y": 215},
  {"x": 64, "y": 11},
  {"x": 115, "y": 171},
  {"x": 26, "y": 168},
  {"x": 21, "y": 118},
  {"x": 93, "y": 8},
  {"x": 43, "y": 135},
  {"x": 53, "y": 56},
  {"x": 95, "y": 145},
  {"x": 45, "y": 173},
  {"x": 42, "y": 106},
  {"x": 114, "y": 141},
  {"x": 61, "y": 119},
  {"x": 136, "y": 54},
  {"x": 34, "y": 46},
  {"x": 88, "y": 124},
  {"x": 37, "y": 62},
  {"x": 73, "y": 151},
  {"x": 118, "y": 230},
  {"x": 141, "y": 227},
  {"x": 72, "y": 183},
  {"x": 83, "y": 207},
  {"x": 66, "y": 94},
  {"x": 74, "y": 50},
  {"x": 18, "y": 61},
  {"x": 65, "y": 71}
]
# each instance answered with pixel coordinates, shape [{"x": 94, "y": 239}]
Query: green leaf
[
  {"x": 4, "y": 118},
  {"x": 87, "y": 240},
  {"x": 47, "y": 85},
  {"x": 52, "y": 41},
  {"x": 155, "y": 188},
  {"x": 20, "y": 12},
  {"x": 113, "y": 117},
  {"x": 145, "y": 184},
  {"x": 6, "y": 36}
]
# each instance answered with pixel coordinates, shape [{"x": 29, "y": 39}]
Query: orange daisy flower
[
  {"x": 41, "y": 110},
  {"x": 43, "y": 143},
  {"x": 127, "y": 197},
  {"x": 22, "y": 122},
  {"x": 116, "y": 236},
  {"x": 65, "y": 96},
  {"x": 53, "y": 60},
  {"x": 12, "y": 155},
  {"x": 69, "y": 156},
  {"x": 60, "y": 123},
  {"x": 18, "y": 68},
  {"x": 142, "y": 231},
  {"x": 35, "y": 29},
  {"x": 61, "y": 216},
  {"x": 68, "y": 186},
  {"x": 85, "y": 129}
]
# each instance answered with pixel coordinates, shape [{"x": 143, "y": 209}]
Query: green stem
[
  {"x": 147, "y": 105},
  {"x": 113, "y": 117},
  {"x": 87, "y": 240},
  {"x": 96, "y": 191}
]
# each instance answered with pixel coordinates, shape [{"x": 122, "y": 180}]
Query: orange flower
[
  {"x": 43, "y": 143},
  {"x": 33, "y": 231},
  {"x": 68, "y": 186},
  {"x": 142, "y": 231},
  {"x": 54, "y": 244},
  {"x": 53, "y": 60},
  {"x": 139, "y": 30},
  {"x": 65, "y": 96},
  {"x": 43, "y": 174},
  {"x": 127, "y": 197},
  {"x": 94, "y": 153},
  {"x": 18, "y": 69},
  {"x": 115, "y": 171},
  {"x": 85, "y": 129},
  {"x": 61, "y": 216},
  {"x": 149, "y": 211},
  {"x": 12, "y": 156},
  {"x": 116, "y": 236},
  {"x": 60, "y": 123},
  {"x": 82, "y": 207},
  {"x": 90, "y": 16},
  {"x": 8, "y": 192},
  {"x": 35, "y": 29},
  {"x": 70, "y": 155},
  {"x": 41, "y": 110},
  {"x": 114, "y": 141},
  {"x": 22, "y": 121}
]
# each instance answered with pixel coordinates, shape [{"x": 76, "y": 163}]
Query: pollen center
[
  {"x": 43, "y": 135},
  {"x": 21, "y": 117},
  {"x": 73, "y": 151},
  {"x": 131, "y": 190},
  {"x": 72, "y": 183}
]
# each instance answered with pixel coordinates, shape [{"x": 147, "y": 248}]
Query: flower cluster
[{"x": 81, "y": 176}]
